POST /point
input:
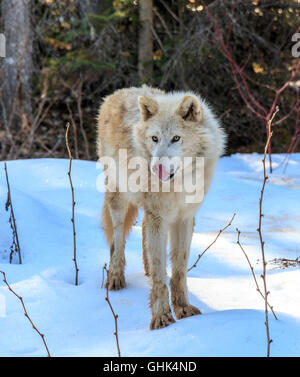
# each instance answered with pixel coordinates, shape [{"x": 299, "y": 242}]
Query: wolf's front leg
[
  {"x": 181, "y": 235},
  {"x": 156, "y": 234},
  {"x": 118, "y": 207}
]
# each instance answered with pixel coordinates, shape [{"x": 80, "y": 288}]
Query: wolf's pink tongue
[{"x": 161, "y": 172}]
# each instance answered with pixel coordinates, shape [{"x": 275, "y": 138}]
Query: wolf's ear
[
  {"x": 148, "y": 106},
  {"x": 190, "y": 109}
]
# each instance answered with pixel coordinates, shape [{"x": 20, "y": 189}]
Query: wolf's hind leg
[
  {"x": 118, "y": 207},
  {"x": 181, "y": 235}
]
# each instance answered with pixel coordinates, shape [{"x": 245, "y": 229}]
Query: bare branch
[
  {"x": 218, "y": 235},
  {"x": 73, "y": 204},
  {"x": 25, "y": 312},
  {"x": 252, "y": 271},
  {"x": 262, "y": 244},
  {"x": 15, "y": 245},
  {"x": 113, "y": 313}
]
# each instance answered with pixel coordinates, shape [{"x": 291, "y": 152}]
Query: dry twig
[
  {"x": 25, "y": 312},
  {"x": 262, "y": 244},
  {"x": 252, "y": 271},
  {"x": 113, "y": 312},
  {"x": 74, "y": 130},
  {"x": 73, "y": 204},
  {"x": 218, "y": 235},
  {"x": 285, "y": 262},
  {"x": 15, "y": 247}
]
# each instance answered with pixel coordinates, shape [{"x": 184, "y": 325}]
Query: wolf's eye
[
  {"x": 155, "y": 139},
  {"x": 175, "y": 138}
]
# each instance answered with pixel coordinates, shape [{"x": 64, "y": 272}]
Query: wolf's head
[{"x": 172, "y": 127}]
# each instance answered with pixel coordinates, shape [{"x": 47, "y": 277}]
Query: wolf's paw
[
  {"x": 161, "y": 320},
  {"x": 115, "y": 282},
  {"x": 185, "y": 311}
]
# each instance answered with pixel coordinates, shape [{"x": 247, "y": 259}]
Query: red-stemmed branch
[{"x": 241, "y": 81}]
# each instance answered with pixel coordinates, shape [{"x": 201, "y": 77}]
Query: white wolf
[{"x": 154, "y": 125}]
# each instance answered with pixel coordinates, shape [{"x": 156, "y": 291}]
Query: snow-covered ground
[{"x": 77, "y": 321}]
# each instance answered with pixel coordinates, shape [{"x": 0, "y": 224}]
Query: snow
[{"x": 77, "y": 321}]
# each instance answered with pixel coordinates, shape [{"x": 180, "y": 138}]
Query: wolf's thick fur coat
[{"x": 128, "y": 119}]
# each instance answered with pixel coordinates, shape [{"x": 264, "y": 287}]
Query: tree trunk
[
  {"x": 17, "y": 67},
  {"x": 145, "y": 55}
]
